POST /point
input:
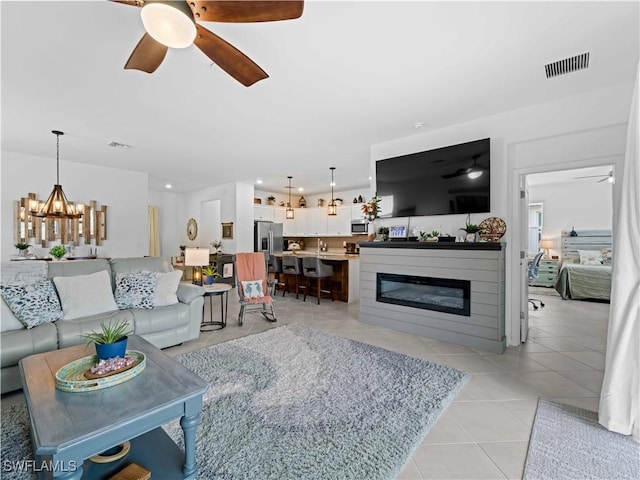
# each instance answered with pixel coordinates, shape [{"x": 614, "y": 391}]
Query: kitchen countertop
[{"x": 340, "y": 256}]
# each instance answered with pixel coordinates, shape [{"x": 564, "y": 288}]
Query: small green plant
[
  {"x": 271, "y": 198},
  {"x": 57, "y": 251},
  {"x": 109, "y": 333},
  {"x": 383, "y": 230},
  {"x": 210, "y": 271},
  {"x": 433, "y": 234},
  {"x": 422, "y": 236},
  {"x": 217, "y": 244},
  {"x": 22, "y": 246},
  {"x": 471, "y": 228}
]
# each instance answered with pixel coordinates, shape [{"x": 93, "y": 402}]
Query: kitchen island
[{"x": 345, "y": 281}]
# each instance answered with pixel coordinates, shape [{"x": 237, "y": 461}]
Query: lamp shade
[
  {"x": 196, "y": 257},
  {"x": 170, "y": 23},
  {"x": 546, "y": 243}
]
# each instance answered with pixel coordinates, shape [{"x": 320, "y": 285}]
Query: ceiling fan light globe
[
  {"x": 474, "y": 174},
  {"x": 168, "y": 25}
]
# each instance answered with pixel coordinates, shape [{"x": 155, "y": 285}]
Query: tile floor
[{"x": 485, "y": 432}]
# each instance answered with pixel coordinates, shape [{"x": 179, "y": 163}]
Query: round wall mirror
[{"x": 192, "y": 229}]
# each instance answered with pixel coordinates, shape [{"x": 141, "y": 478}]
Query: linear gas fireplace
[{"x": 439, "y": 294}]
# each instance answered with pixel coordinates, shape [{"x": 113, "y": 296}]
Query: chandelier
[
  {"x": 289, "y": 210},
  {"x": 57, "y": 205},
  {"x": 333, "y": 208}
]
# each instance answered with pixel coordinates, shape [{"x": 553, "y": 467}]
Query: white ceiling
[
  {"x": 586, "y": 176},
  {"x": 344, "y": 76}
]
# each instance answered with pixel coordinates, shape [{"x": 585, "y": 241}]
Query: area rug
[
  {"x": 568, "y": 443},
  {"x": 297, "y": 403}
]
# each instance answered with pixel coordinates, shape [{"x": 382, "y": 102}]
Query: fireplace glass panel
[{"x": 429, "y": 293}]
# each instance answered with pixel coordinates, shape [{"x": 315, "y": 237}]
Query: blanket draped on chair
[{"x": 251, "y": 266}]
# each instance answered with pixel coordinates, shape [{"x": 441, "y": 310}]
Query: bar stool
[
  {"x": 314, "y": 268},
  {"x": 292, "y": 266},
  {"x": 274, "y": 266}
]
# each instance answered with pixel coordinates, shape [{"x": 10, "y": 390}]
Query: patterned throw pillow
[
  {"x": 607, "y": 255},
  {"x": 253, "y": 288},
  {"x": 590, "y": 257},
  {"x": 135, "y": 290},
  {"x": 33, "y": 304}
]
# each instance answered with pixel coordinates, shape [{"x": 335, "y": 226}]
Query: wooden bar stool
[
  {"x": 314, "y": 268},
  {"x": 292, "y": 267}
]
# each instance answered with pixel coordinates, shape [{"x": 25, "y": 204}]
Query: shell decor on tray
[
  {"x": 73, "y": 376},
  {"x": 492, "y": 229}
]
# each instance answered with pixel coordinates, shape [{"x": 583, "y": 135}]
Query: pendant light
[
  {"x": 289, "y": 210},
  {"x": 333, "y": 208},
  {"x": 57, "y": 205}
]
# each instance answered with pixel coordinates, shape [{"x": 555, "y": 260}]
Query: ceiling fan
[
  {"x": 473, "y": 171},
  {"x": 173, "y": 24},
  {"x": 603, "y": 178}
]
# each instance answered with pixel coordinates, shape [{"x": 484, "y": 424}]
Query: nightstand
[{"x": 547, "y": 273}]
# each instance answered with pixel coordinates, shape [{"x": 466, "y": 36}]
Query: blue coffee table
[{"x": 69, "y": 427}]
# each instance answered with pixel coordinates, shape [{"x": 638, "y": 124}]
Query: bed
[{"x": 583, "y": 276}]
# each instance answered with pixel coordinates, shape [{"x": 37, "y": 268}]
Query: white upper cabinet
[
  {"x": 339, "y": 225},
  {"x": 264, "y": 213}
]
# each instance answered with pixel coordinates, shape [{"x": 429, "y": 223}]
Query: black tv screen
[{"x": 444, "y": 181}]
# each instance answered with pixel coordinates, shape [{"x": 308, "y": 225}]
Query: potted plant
[
  {"x": 423, "y": 236},
  {"x": 371, "y": 209},
  {"x": 271, "y": 200},
  {"x": 216, "y": 246},
  {"x": 111, "y": 340},
  {"x": 57, "y": 252},
  {"x": 383, "y": 232},
  {"x": 433, "y": 236},
  {"x": 472, "y": 232},
  {"x": 209, "y": 274},
  {"x": 23, "y": 248}
]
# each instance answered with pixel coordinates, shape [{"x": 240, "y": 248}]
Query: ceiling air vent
[
  {"x": 122, "y": 146},
  {"x": 567, "y": 65}
]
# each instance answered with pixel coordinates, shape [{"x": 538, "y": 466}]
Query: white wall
[
  {"x": 583, "y": 205},
  {"x": 122, "y": 191},
  {"x": 170, "y": 224},
  {"x": 571, "y": 132}
]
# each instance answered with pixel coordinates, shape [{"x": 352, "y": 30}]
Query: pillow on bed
[
  {"x": 590, "y": 257},
  {"x": 607, "y": 255}
]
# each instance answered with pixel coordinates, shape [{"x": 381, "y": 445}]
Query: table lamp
[
  {"x": 196, "y": 258},
  {"x": 546, "y": 244}
]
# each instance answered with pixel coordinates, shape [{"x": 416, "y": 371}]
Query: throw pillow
[
  {"x": 166, "y": 288},
  {"x": 135, "y": 290},
  {"x": 252, "y": 288},
  {"x": 85, "y": 295},
  {"x": 590, "y": 257},
  {"x": 607, "y": 255},
  {"x": 33, "y": 304}
]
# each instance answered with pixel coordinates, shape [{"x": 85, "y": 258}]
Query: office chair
[{"x": 533, "y": 275}]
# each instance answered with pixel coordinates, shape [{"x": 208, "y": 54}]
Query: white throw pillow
[
  {"x": 85, "y": 295},
  {"x": 590, "y": 257},
  {"x": 166, "y": 288},
  {"x": 252, "y": 289}
]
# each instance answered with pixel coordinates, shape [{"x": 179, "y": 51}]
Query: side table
[{"x": 214, "y": 290}]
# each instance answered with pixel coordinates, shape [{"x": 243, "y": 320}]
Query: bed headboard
[{"x": 585, "y": 240}]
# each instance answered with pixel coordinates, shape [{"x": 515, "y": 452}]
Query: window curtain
[
  {"x": 154, "y": 235},
  {"x": 620, "y": 395}
]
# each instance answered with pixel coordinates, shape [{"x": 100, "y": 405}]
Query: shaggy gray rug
[
  {"x": 296, "y": 403},
  {"x": 568, "y": 443}
]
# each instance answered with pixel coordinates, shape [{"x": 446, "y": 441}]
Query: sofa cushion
[
  {"x": 70, "y": 331},
  {"x": 33, "y": 304},
  {"x": 85, "y": 295},
  {"x": 135, "y": 290},
  {"x": 161, "y": 318},
  {"x": 24, "y": 342},
  {"x": 166, "y": 288},
  {"x": 8, "y": 320}
]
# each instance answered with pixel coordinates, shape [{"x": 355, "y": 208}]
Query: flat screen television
[{"x": 444, "y": 181}]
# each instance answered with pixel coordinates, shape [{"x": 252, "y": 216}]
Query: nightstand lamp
[
  {"x": 546, "y": 244},
  {"x": 196, "y": 258}
]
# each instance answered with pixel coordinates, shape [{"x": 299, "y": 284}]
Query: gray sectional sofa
[{"x": 163, "y": 326}]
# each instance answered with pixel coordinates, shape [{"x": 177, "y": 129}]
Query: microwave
[{"x": 359, "y": 227}]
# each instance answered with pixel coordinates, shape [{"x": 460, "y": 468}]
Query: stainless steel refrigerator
[{"x": 267, "y": 237}]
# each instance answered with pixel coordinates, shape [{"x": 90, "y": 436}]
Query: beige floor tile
[
  {"x": 409, "y": 471},
  {"x": 490, "y": 422},
  {"x": 460, "y": 461},
  {"x": 525, "y": 410},
  {"x": 558, "y": 361},
  {"x": 516, "y": 363},
  {"x": 499, "y": 386},
  {"x": 590, "y": 380},
  {"x": 552, "y": 384},
  {"x": 508, "y": 456},
  {"x": 473, "y": 363},
  {"x": 448, "y": 430},
  {"x": 560, "y": 344},
  {"x": 590, "y": 403},
  {"x": 593, "y": 359}
]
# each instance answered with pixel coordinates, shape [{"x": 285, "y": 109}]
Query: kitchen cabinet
[
  {"x": 264, "y": 213},
  {"x": 340, "y": 224},
  {"x": 315, "y": 224},
  {"x": 356, "y": 211}
]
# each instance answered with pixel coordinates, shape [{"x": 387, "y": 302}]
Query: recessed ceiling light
[
  {"x": 168, "y": 185},
  {"x": 301, "y": 189},
  {"x": 259, "y": 182},
  {"x": 370, "y": 178}
]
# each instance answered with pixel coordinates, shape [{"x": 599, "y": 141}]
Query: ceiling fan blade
[
  {"x": 458, "y": 173},
  {"x": 147, "y": 56},
  {"x": 604, "y": 179},
  {"x": 228, "y": 57},
  {"x": 592, "y": 176},
  {"x": 246, "y": 10},
  {"x": 133, "y": 3}
]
